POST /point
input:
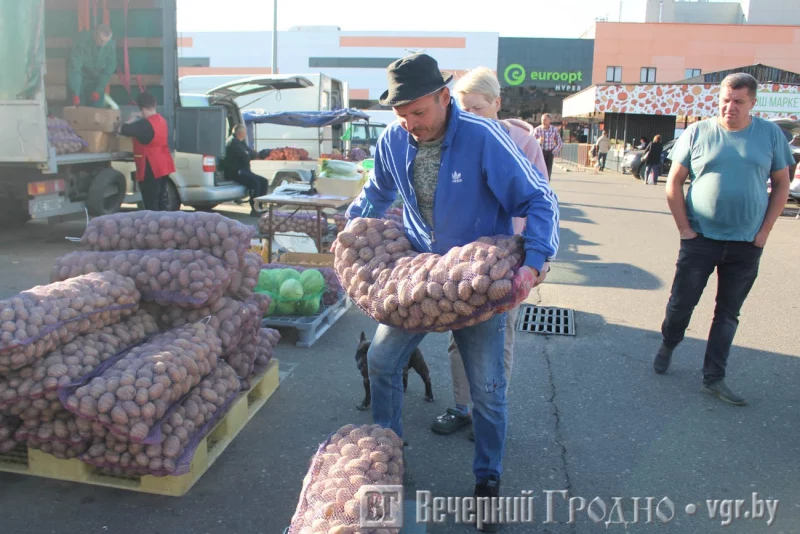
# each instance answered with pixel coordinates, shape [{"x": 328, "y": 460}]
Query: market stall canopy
[
  {"x": 305, "y": 119},
  {"x": 697, "y": 101}
]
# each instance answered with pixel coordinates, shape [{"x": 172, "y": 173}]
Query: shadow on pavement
[
  {"x": 631, "y": 433},
  {"x": 573, "y": 266}
]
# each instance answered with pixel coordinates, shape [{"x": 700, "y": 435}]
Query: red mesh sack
[
  {"x": 304, "y": 223},
  {"x": 69, "y": 362},
  {"x": 186, "y": 278},
  {"x": 351, "y": 458},
  {"x": 224, "y": 238},
  {"x": 8, "y": 426},
  {"x": 38, "y": 321},
  {"x": 132, "y": 394},
  {"x": 181, "y": 432},
  {"x": 427, "y": 292}
]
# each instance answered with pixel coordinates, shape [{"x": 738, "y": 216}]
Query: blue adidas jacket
[{"x": 484, "y": 181}]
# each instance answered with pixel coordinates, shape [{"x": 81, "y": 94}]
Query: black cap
[{"x": 411, "y": 78}]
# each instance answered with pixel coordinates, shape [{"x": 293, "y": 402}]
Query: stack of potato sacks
[{"x": 136, "y": 396}]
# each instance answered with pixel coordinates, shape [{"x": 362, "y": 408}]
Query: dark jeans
[
  {"x": 736, "y": 263},
  {"x": 257, "y": 185},
  {"x": 153, "y": 192},
  {"x": 601, "y": 160},
  {"x": 548, "y": 161}
]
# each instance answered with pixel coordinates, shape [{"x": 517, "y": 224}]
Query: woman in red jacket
[{"x": 151, "y": 152}]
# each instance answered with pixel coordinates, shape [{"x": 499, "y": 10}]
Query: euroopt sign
[{"x": 564, "y": 65}]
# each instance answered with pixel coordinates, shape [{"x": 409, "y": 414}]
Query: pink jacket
[{"x": 522, "y": 134}]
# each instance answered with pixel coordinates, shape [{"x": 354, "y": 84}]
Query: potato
[
  {"x": 499, "y": 289},
  {"x": 48, "y": 317},
  {"x": 164, "y": 230}
]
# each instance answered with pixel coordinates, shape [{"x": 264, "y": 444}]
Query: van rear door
[{"x": 257, "y": 84}]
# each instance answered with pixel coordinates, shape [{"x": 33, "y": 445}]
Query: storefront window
[
  {"x": 614, "y": 74},
  {"x": 648, "y": 75}
]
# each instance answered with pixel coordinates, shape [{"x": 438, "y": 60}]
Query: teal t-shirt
[{"x": 727, "y": 198}]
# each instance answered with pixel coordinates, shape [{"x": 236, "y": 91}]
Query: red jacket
[{"x": 156, "y": 152}]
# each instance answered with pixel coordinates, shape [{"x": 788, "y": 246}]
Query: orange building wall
[{"x": 673, "y": 48}]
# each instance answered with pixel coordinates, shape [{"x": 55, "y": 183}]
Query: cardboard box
[
  {"x": 121, "y": 143},
  {"x": 56, "y": 93},
  {"x": 56, "y": 72},
  {"x": 92, "y": 119},
  {"x": 306, "y": 259},
  {"x": 339, "y": 188},
  {"x": 99, "y": 142}
]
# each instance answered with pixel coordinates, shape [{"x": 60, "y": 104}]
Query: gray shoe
[
  {"x": 721, "y": 390},
  {"x": 663, "y": 359},
  {"x": 450, "y": 421}
]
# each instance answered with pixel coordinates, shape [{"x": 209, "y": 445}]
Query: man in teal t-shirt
[{"x": 724, "y": 221}]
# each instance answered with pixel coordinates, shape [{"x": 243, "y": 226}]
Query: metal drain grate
[{"x": 541, "y": 320}]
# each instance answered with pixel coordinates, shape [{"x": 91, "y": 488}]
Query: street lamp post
[{"x": 275, "y": 37}]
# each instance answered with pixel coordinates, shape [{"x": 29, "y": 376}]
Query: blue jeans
[
  {"x": 481, "y": 348},
  {"x": 652, "y": 170},
  {"x": 737, "y": 264}
]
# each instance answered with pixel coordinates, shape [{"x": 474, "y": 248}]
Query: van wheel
[
  {"x": 107, "y": 193},
  {"x": 172, "y": 201}
]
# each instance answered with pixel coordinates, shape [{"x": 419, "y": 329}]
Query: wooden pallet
[{"x": 36, "y": 463}]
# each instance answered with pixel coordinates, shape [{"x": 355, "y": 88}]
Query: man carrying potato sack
[{"x": 460, "y": 177}]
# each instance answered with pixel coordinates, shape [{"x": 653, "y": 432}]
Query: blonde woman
[{"x": 478, "y": 92}]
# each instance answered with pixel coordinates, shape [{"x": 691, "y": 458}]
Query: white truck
[{"x": 38, "y": 183}]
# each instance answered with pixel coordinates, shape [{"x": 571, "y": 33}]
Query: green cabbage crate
[{"x": 292, "y": 292}]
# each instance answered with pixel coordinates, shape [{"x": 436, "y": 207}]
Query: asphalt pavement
[{"x": 587, "y": 413}]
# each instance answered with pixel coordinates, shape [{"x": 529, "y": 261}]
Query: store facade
[{"x": 537, "y": 74}]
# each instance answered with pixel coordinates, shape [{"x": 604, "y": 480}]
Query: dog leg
[
  {"x": 367, "y": 396},
  {"x": 422, "y": 370}
]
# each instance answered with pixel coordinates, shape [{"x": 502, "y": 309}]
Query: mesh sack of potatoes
[
  {"x": 224, "y": 238},
  {"x": 39, "y": 320},
  {"x": 304, "y": 223},
  {"x": 339, "y": 220},
  {"x": 253, "y": 355},
  {"x": 187, "y": 278},
  {"x": 245, "y": 278},
  {"x": 61, "y": 434},
  {"x": 229, "y": 317},
  {"x": 351, "y": 458},
  {"x": 395, "y": 214},
  {"x": 333, "y": 289},
  {"x": 131, "y": 394},
  {"x": 69, "y": 362},
  {"x": 181, "y": 432},
  {"x": 427, "y": 292},
  {"x": 8, "y": 426}
]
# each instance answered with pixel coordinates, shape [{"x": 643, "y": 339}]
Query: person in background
[
  {"x": 603, "y": 145},
  {"x": 724, "y": 221},
  {"x": 92, "y": 62},
  {"x": 652, "y": 161},
  {"x": 478, "y": 92},
  {"x": 642, "y": 143},
  {"x": 549, "y": 138},
  {"x": 151, "y": 152},
  {"x": 480, "y": 181},
  {"x": 237, "y": 166}
]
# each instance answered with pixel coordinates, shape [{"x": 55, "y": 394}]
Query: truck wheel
[
  {"x": 172, "y": 201},
  {"x": 106, "y": 193},
  {"x": 13, "y": 211}
]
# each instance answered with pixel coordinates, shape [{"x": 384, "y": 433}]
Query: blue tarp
[{"x": 305, "y": 119}]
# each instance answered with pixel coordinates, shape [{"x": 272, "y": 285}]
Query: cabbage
[
  {"x": 291, "y": 290},
  {"x": 285, "y": 308},
  {"x": 308, "y": 307},
  {"x": 313, "y": 282},
  {"x": 268, "y": 281},
  {"x": 281, "y": 275}
]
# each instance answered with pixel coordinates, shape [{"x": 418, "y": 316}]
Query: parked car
[
  {"x": 794, "y": 188},
  {"x": 632, "y": 161},
  {"x": 791, "y": 130}
]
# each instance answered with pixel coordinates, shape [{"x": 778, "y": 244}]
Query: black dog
[{"x": 416, "y": 362}]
